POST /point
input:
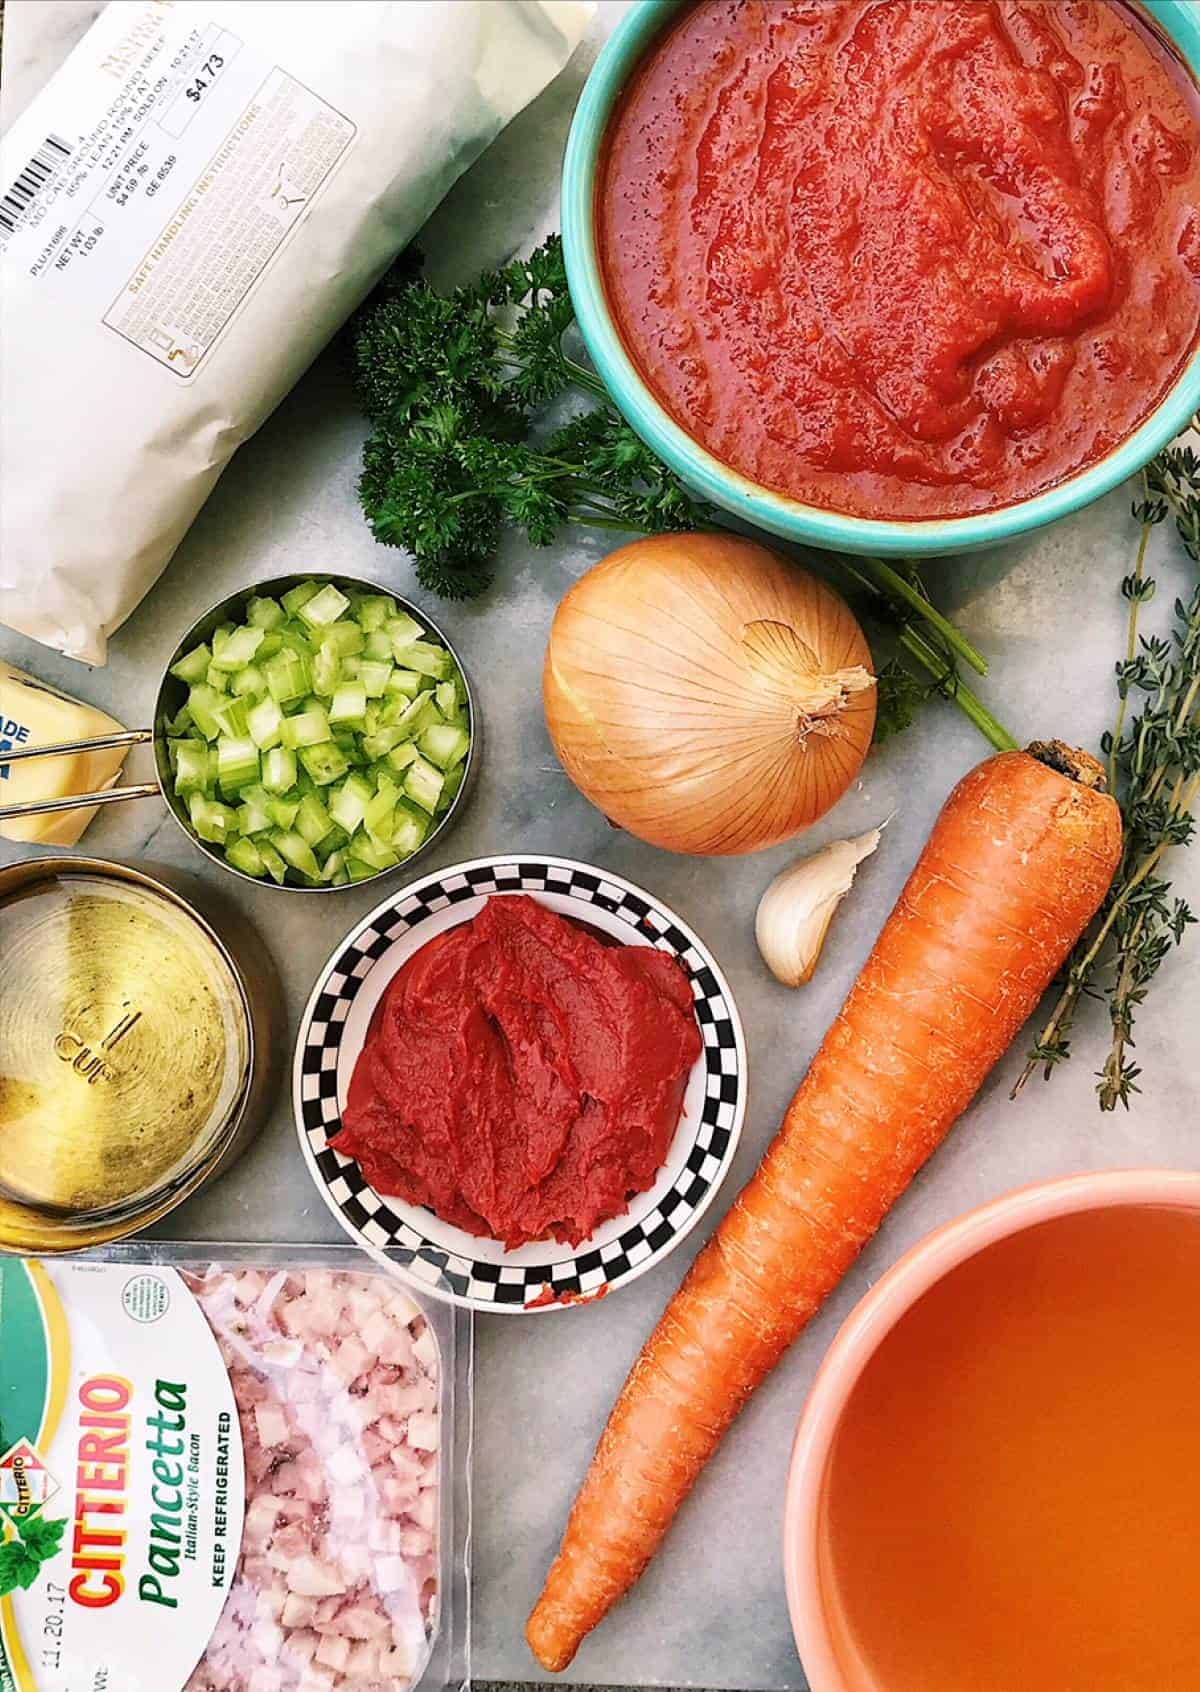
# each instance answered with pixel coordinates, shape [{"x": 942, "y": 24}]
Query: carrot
[{"x": 1017, "y": 865}]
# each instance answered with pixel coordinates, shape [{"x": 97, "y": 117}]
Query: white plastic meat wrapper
[{"x": 188, "y": 212}]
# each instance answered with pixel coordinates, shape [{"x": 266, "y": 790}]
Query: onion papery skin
[{"x": 688, "y": 695}]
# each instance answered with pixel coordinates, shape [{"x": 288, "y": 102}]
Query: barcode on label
[{"x": 45, "y": 164}]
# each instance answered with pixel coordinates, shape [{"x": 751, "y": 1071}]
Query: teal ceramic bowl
[{"x": 1179, "y": 19}]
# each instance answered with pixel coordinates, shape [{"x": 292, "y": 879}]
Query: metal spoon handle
[
  {"x": 76, "y": 801},
  {"x": 66, "y": 748}
]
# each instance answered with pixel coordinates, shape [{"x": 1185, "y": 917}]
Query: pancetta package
[
  {"x": 241, "y": 1475},
  {"x": 188, "y": 210}
]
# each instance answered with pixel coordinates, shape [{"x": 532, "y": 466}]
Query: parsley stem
[
  {"x": 897, "y": 586},
  {"x": 953, "y": 687}
]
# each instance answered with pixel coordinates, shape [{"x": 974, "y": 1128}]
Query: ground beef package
[
  {"x": 188, "y": 211},
  {"x": 248, "y": 1475}
]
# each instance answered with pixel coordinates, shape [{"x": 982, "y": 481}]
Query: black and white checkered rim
[{"x": 551, "y": 1274}]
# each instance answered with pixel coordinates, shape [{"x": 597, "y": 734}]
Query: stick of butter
[{"x": 32, "y": 714}]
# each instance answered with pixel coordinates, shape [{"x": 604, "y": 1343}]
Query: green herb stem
[{"x": 953, "y": 687}]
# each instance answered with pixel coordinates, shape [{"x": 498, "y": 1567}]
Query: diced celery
[
  {"x": 334, "y": 864},
  {"x": 324, "y": 762},
  {"x": 211, "y": 820},
  {"x": 323, "y": 607},
  {"x": 237, "y": 763},
  {"x": 235, "y": 650},
  {"x": 307, "y": 727},
  {"x": 401, "y": 756},
  {"x": 249, "y": 683},
  {"x": 254, "y": 813},
  {"x": 402, "y": 630},
  {"x": 423, "y": 784},
  {"x": 265, "y": 723},
  {"x": 181, "y": 722},
  {"x": 282, "y": 811},
  {"x": 263, "y": 613},
  {"x": 359, "y": 870},
  {"x": 377, "y": 818},
  {"x": 378, "y": 745},
  {"x": 192, "y": 768},
  {"x": 296, "y": 638},
  {"x": 451, "y": 785},
  {"x": 345, "y": 638},
  {"x": 379, "y": 646},
  {"x": 272, "y": 862},
  {"x": 326, "y": 671},
  {"x": 289, "y": 676},
  {"x": 244, "y": 855},
  {"x": 447, "y": 696},
  {"x": 278, "y": 769},
  {"x": 348, "y": 803},
  {"x": 407, "y": 682},
  {"x": 410, "y": 829},
  {"x": 371, "y": 852},
  {"x": 444, "y": 744},
  {"x": 313, "y": 821},
  {"x": 349, "y": 703},
  {"x": 374, "y": 676},
  {"x": 429, "y": 660},
  {"x": 193, "y": 666},
  {"x": 297, "y": 852},
  {"x": 217, "y": 678},
  {"x": 271, "y": 644},
  {"x": 300, "y": 595},
  {"x": 234, "y": 718},
  {"x": 374, "y": 610},
  {"x": 417, "y": 716},
  {"x": 204, "y": 702}
]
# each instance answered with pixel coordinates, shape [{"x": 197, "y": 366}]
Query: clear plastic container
[{"x": 280, "y": 1438}]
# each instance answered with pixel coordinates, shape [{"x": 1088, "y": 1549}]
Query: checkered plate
[{"x": 443, "y": 1260}]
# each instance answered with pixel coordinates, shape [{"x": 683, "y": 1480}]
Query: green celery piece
[
  {"x": 406, "y": 682},
  {"x": 401, "y": 756},
  {"x": 335, "y": 841},
  {"x": 217, "y": 678},
  {"x": 378, "y": 745},
  {"x": 204, "y": 702},
  {"x": 359, "y": 870},
  {"x": 348, "y": 803},
  {"x": 410, "y": 831},
  {"x": 313, "y": 821},
  {"x": 300, "y": 595},
  {"x": 263, "y": 613},
  {"x": 181, "y": 722},
  {"x": 402, "y": 630},
  {"x": 211, "y": 820},
  {"x": 249, "y": 683},
  {"x": 447, "y": 697},
  {"x": 265, "y": 723},
  {"x": 279, "y": 770},
  {"x": 322, "y": 608},
  {"x": 237, "y": 762},
  {"x": 372, "y": 852},
  {"x": 346, "y": 639},
  {"x": 296, "y": 851},
  {"x": 307, "y": 727},
  {"x": 289, "y": 676},
  {"x": 429, "y": 660},
  {"x": 444, "y": 745},
  {"x": 271, "y": 644},
  {"x": 420, "y": 713},
  {"x": 451, "y": 785},
  {"x": 193, "y": 772},
  {"x": 335, "y": 862},
  {"x": 326, "y": 671},
  {"x": 254, "y": 813},
  {"x": 244, "y": 855},
  {"x": 282, "y": 810},
  {"x": 378, "y": 646},
  {"x": 193, "y": 666},
  {"x": 423, "y": 784},
  {"x": 234, "y": 651},
  {"x": 348, "y": 704},
  {"x": 374, "y": 676},
  {"x": 377, "y": 818},
  {"x": 324, "y": 762},
  {"x": 295, "y": 637},
  {"x": 234, "y": 718},
  {"x": 272, "y": 862},
  {"x": 374, "y": 609},
  {"x": 351, "y": 666}
]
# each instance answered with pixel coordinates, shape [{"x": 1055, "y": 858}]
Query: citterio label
[{"x": 121, "y": 1482}]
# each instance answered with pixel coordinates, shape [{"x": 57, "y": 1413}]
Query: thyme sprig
[
  {"x": 1154, "y": 769},
  {"x": 456, "y": 387}
]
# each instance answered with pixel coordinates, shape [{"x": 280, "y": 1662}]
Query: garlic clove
[{"x": 796, "y": 910}]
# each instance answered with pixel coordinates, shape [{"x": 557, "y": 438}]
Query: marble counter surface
[{"x": 711, "y": 1610}]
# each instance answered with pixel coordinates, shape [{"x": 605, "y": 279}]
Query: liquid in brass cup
[{"x": 135, "y": 1050}]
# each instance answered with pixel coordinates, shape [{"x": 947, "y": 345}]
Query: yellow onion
[{"x": 706, "y": 694}]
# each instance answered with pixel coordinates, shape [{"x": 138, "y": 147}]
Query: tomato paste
[
  {"x": 906, "y": 258},
  {"x": 521, "y": 1077}
]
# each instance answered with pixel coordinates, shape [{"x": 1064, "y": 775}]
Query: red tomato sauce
[
  {"x": 906, "y": 258},
  {"x": 521, "y": 1077}
]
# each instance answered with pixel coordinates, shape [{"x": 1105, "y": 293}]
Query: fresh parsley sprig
[
  {"x": 454, "y": 386},
  {"x": 1154, "y": 769},
  {"x": 21, "y": 1558}
]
